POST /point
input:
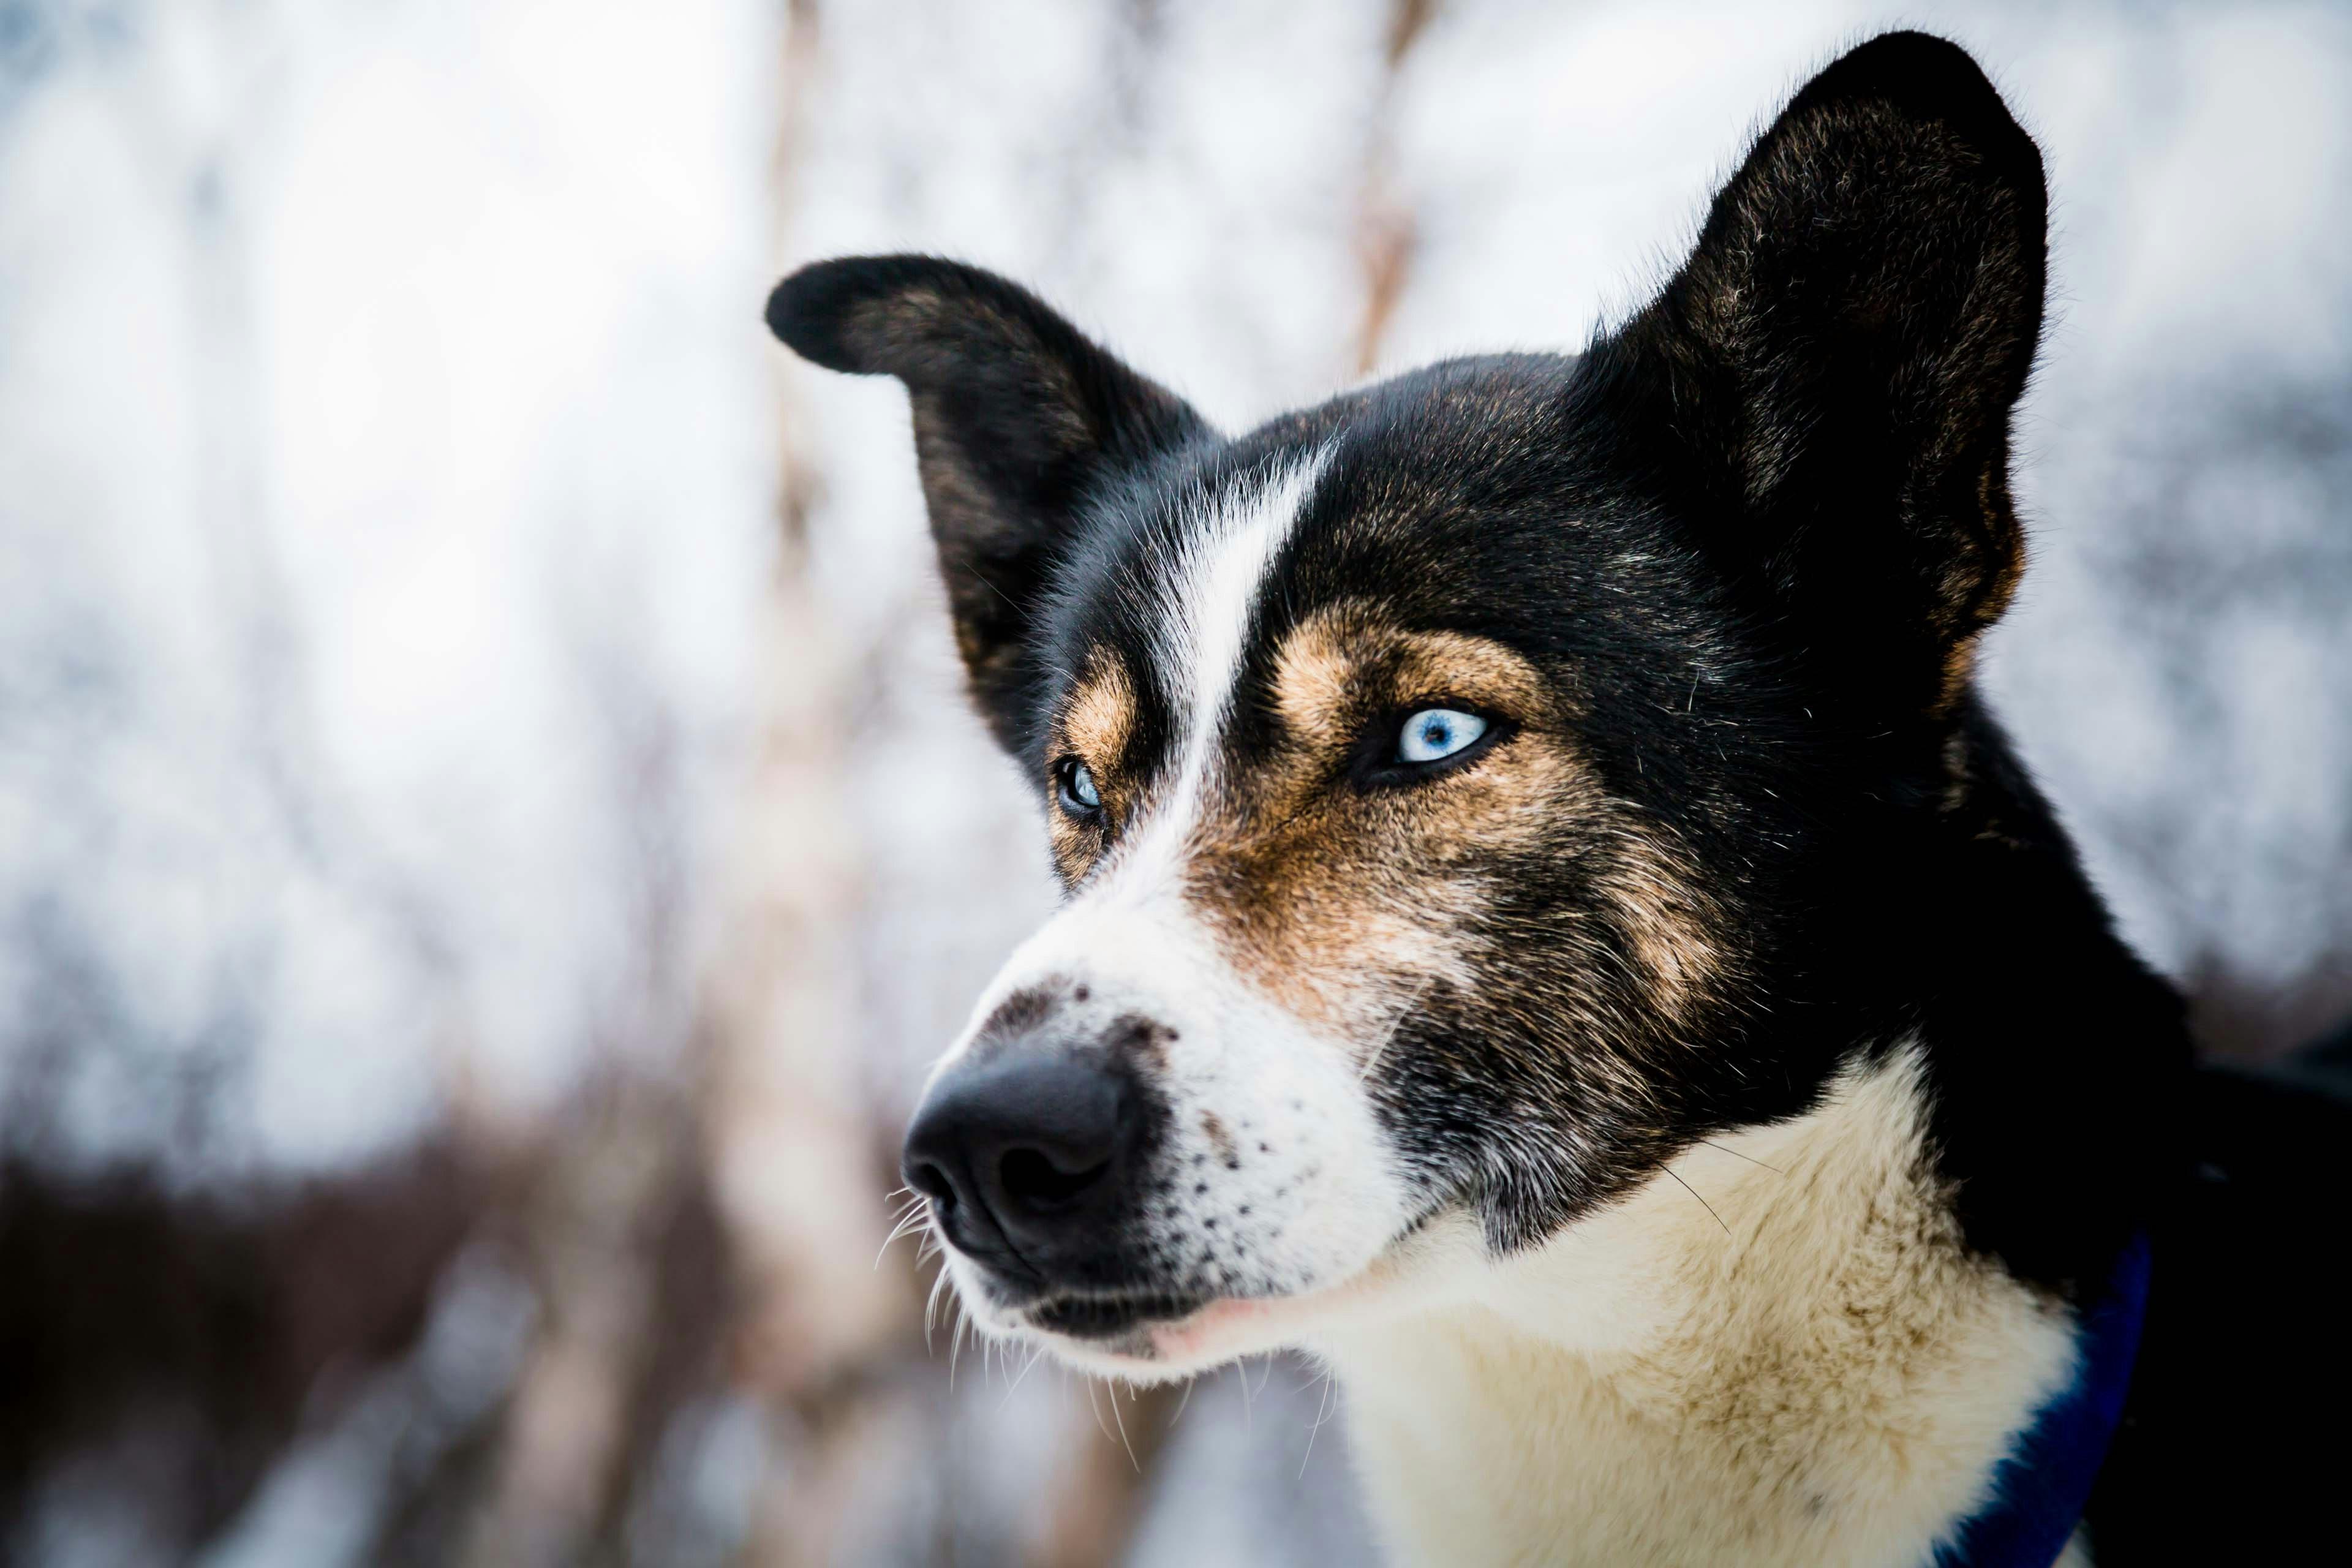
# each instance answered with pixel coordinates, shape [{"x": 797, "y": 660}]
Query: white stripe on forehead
[
  {"x": 1214, "y": 590},
  {"x": 1220, "y": 568}
]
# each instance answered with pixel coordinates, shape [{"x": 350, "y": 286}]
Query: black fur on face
[{"x": 1744, "y": 819}]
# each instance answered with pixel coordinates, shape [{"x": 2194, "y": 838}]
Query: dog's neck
[{"x": 1778, "y": 1352}]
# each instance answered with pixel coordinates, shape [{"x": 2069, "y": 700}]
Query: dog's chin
[
  {"x": 1141, "y": 1337},
  {"x": 1165, "y": 1341},
  {"x": 1145, "y": 1337}
]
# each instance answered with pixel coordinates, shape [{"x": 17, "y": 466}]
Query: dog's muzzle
[{"x": 1034, "y": 1161}]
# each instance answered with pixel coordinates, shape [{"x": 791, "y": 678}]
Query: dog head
[{"x": 1467, "y": 793}]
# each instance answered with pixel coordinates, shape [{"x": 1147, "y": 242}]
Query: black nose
[{"x": 1022, "y": 1154}]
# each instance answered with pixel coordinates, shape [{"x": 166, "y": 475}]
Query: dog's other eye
[
  {"x": 1435, "y": 733},
  {"x": 1079, "y": 796}
]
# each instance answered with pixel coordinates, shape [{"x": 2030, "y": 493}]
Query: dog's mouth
[
  {"x": 1111, "y": 1317},
  {"x": 1153, "y": 1324}
]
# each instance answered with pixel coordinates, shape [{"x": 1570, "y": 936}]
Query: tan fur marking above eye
[
  {"x": 1324, "y": 665},
  {"x": 1093, "y": 726},
  {"x": 1101, "y": 713},
  {"x": 1347, "y": 903}
]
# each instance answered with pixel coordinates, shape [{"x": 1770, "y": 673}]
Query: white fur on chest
[{"x": 1814, "y": 1372}]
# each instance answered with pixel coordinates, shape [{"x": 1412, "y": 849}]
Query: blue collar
[{"x": 2040, "y": 1489}]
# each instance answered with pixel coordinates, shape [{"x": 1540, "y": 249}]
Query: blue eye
[
  {"x": 1079, "y": 796},
  {"x": 1435, "y": 733}
]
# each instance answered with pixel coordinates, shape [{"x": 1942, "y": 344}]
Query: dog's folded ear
[
  {"x": 1020, "y": 421},
  {"x": 1827, "y": 383}
]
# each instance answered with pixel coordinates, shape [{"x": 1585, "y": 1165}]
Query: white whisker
[
  {"x": 1092, "y": 1406},
  {"x": 931, "y": 1308},
  {"x": 1035, "y": 1356},
  {"x": 1322, "y": 1407},
  {"x": 955, "y": 1340},
  {"x": 1395, "y": 1025},
  {"x": 1123, "y": 1443},
  {"x": 909, "y": 1220}
]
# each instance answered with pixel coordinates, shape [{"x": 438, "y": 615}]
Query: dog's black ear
[
  {"x": 1828, "y": 382},
  {"x": 1019, "y": 421}
]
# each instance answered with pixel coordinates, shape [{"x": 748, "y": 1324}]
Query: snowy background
[{"x": 488, "y": 834}]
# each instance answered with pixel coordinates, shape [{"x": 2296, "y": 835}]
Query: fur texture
[
  {"x": 1691, "y": 1113},
  {"x": 1785, "y": 1325}
]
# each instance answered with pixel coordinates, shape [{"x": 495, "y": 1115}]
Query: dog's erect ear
[
  {"x": 1828, "y": 380},
  {"x": 1019, "y": 421}
]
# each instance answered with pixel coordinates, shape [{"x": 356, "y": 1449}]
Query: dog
[{"x": 1553, "y": 931}]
